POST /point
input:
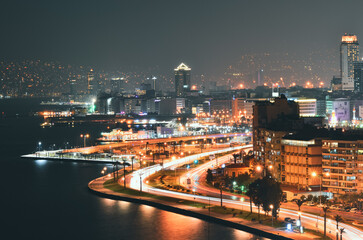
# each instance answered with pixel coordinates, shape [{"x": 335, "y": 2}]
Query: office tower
[
  {"x": 259, "y": 77},
  {"x": 117, "y": 85},
  {"x": 349, "y": 53},
  {"x": 182, "y": 79},
  {"x": 72, "y": 87},
  {"x": 358, "y": 76},
  {"x": 91, "y": 82},
  {"x": 153, "y": 81}
]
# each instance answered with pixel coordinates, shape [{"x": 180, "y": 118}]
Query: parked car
[
  {"x": 353, "y": 210},
  {"x": 310, "y": 204}
]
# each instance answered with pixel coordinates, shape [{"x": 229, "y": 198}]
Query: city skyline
[{"x": 212, "y": 36}]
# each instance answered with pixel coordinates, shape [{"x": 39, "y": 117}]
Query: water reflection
[{"x": 40, "y": 162}]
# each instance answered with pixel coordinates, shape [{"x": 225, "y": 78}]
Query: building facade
[
  {"x": 300, "y": 159},
  {"x": 343, "y": 160},
  {"x": 349, "y": 53},
  {"x": 182, "y": 80}
]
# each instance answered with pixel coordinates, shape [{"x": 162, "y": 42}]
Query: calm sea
[{"x": 50, "y": 200}]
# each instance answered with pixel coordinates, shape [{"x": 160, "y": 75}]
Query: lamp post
[
  {"x": 242, "y": 200},
  {"x": 140, "y": 182},
  {"x": 314, "y": 174},
  {"x": 84, "y": 136},
  {"x": 272, "y": 215}
]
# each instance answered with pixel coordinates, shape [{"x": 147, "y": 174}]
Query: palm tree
[
  {"x": 325, "y": 209},
  {"x": 341, "y": 233},
  {"x": 338, "y": 219}
]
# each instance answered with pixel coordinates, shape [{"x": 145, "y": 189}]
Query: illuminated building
[
  {"x": 117, "y": 85},
  {"x": 182, "y": 79},
  {"x": 349, "y": 53},
  {"x": 307, "y": 107},
  {"x": 260, "y": 78},
  {"x": 236, "y": 169},
  {"x": 341, "y": 109},
  {"x": 343, "y": 160},
  {"x": 271, "y": 122},
  {"x": 358, "y": 76},
  {"x": 72, "y": 87},
  {"x": 91, "y": 82},
  {"x": 300, "y": 158}
]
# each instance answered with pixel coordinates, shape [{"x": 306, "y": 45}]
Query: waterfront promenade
[{"x": 97, "y": 186}]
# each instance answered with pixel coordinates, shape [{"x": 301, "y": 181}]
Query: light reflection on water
[
  {"x": 53, "y": 201},
  {"x": 40, "y": 162},
  {"x": 145, "y": 222}
]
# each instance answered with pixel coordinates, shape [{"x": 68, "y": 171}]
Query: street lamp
[
  {"x": 272, "y": 215},
  {"x": 242, "y": 200},
  {"x": 84, "y": 136},
  {"x": 314, "y": 174},
  {"x": 39, "y": 145}
]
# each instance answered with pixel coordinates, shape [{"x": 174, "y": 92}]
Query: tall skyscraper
[
  {"x": 358, "y": 76},
  {"x": 349, "y": 53},
  {"x": 117, "y": 84},
  {"x": 91, "y": 82},
  {"x": 153, "y": 81},
  {"x": 182, "y": 79},
  {"x": 259, "y": 77}
]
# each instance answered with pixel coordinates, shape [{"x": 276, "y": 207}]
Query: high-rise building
[
  {"x": 182, "y": 79},
  {"x": 91, "y": 82},
  {"x": 271, "y": 122},
  {"x": 358, "y": 76},
  {"x": 301, "y": 156},
  {"x": 259, "y": 77},
  {"x": 349, "y": 53},
  {"x": 152, "y": 80},
  {"x": 117, "y": 84},
  {"x": 343, "y": 160}
]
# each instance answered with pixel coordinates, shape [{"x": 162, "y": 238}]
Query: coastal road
[{"x": 308, "y": 220}]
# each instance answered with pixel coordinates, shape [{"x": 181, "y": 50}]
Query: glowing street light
[
  {"x": 84, "y": 136},
  {"x": 314, "y": 174},
  {"x": 242, "y": 200},
  {"x": 272, "y": 215}
]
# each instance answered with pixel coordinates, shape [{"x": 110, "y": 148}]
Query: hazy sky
[{"x": 207, "y": 35}]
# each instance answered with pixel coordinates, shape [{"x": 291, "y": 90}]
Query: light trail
[{"x": 308, "y": 220}]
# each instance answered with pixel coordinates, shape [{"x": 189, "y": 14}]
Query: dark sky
[{"x": 207, "y": 35}]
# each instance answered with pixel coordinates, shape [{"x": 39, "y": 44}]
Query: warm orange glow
[
  {"x": 349, "y": 39},
  {"x": 194, "y": 87},
  {"x": 308, "y": 84},
  {"x": 241, "y": 86}
]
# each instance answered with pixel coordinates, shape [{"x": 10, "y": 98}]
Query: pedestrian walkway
[{"x": 97, "y": 185}]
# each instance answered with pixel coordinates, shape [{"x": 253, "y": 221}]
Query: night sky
[{"x": 207, "y": 35}]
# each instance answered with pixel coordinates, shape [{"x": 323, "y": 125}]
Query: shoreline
[{"x": 96, "y": 187}]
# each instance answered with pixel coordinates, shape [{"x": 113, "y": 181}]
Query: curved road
[{"x": 308, "y": 220}]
